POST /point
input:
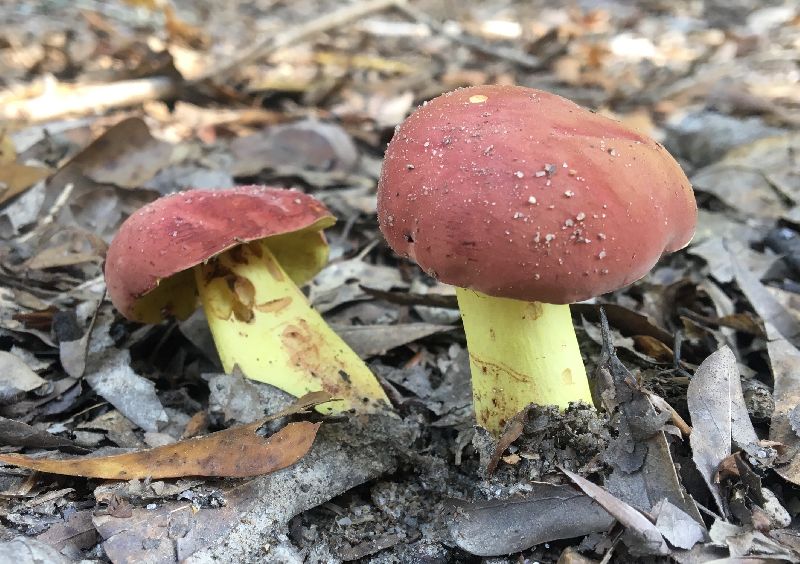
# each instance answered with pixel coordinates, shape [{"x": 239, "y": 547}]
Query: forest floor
[{"x": 106, "y": 106}]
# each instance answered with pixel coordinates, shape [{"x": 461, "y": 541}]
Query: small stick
[
  {"x": 324, "y": 23},
  {"x": 60, "y": 202},
  {"x": 663, "y": 405},
  {"x": 513, "y": 55},
  {"x": 88, "y": 98}
]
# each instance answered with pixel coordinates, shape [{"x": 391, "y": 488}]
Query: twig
[
  {"x": 513, "y": 55},
  {"x": 298, "y": 33},
  {"x": 60, "y": 202},
  {"x": 707, "y": 511},
  {"x": 85, "y": 99},
  {"x": 89, "y": 98},
  {"x": 664, "y": 406},
  {"x": 610, "y": 552}
]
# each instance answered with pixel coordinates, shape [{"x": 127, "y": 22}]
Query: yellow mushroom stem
[
  {"x": 520, "y": 353},
  {"x": 262, "y": 322}
]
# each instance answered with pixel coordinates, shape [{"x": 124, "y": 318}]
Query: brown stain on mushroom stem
[
  {"x": 533, "y": 311},
  {"x": 245, "y": 291},
  {"x": 274, "y": 306},
  {"x": 496, "y": 369},
  {"x": 275, "y": 271},
  {"x": 305, "y": 349}
]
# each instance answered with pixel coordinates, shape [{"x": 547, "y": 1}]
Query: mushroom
[
  {"x": 244, "y": 251},
  {"x": 526, "y": 203}
]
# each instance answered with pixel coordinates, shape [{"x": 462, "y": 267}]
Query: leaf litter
[
  {"x": 108, "y": 106},
  {"x": 236, "y": 452}
]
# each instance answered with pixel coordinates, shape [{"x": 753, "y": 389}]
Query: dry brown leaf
[
  {"x": 147, "y": 4},
  {"x": 179, "y": 30},
  {"x": 653, "y": 348},
  {"x": 125, "y": 155},
  {"x": 784, "y": 358},
  {"x": 15, "y": 177},
  {"x": 235, "y": 453},
  {"x": 511, "y": 432}
]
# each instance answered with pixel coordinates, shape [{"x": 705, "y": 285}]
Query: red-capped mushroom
[
  {"x": 526, "y": 202},
  {"x": 243, "y": 251}
]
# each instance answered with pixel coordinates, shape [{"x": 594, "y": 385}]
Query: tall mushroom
[
  {"x": 244, "y": 251},
  {"x": 527, "y": 202}
]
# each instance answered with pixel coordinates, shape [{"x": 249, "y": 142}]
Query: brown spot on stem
[
  {"x": 533, "y": 311},
  {"x": 237, "y": 255},
  {"x": 307, "y": 350},
  {"x": 497, "y": 370},
  {"x": 273, "y": 306},
  {"x": 245, "y": 291},
  {"x": 275, "y": 270},
  {"x": 566, "y": 377},
  {"x": 255, "y": 248},
  {"x": 243, "y": 296},
  {"x": 220, "y": 302}
]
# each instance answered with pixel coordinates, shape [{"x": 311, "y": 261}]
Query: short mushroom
[
  {"x": 527, "y": 202},
  {"x": 244, "y": 251}
]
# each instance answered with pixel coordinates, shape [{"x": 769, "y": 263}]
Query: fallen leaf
[
  {"x": 653, "y": 348},
  {"x": 784, "y": 359},
  {"x": 627, "y": 321},
  {"x": 125, "y": 155},
  {"x": 550, "y": 512},
  {"x": 511, "y": 432},
  {"x": 709, "y": 402},
  {"x": 77, "y": 530},
  {"x": 412, "y": 298},
  {"x": 22, "y": 211},
  {"x": 717, "y": 254},
  {"x": 630, "y": 518},
  {"x": 16, "y": 433},
  {"x": 27, "y": 550},
  {"x": 16, "y": 377},
  {"x": 303, "y": 145},
  {"x": 643, "y": 469},
  {"x": 117, "y": 427},
  {"x": 371, "y": 340},
  {"x": 112, "y": 378},
  {"x": 179, "y": 30},
  {"x": 339, "y": 282},
  {"x": 72, "y": 353},
  {"x": 744, "y": 543},
  {"x": 346, "y": 454},
  {"x": 235, "y": 453},
  {"x": 680, "y": 530},
  {"x": 754, "y": 179},
  {"x": 16, "y": 177},
  {"x": 767, "y": 307}
]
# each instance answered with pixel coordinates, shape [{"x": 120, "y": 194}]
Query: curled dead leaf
[{"x": 235, "y": 453}]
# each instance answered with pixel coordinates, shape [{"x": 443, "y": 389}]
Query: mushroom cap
[
  {"x": 522, "y": 194},
  {"x": 148, "y": 265}
]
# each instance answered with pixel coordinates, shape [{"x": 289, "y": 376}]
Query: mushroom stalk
[
  {"x": 262, "y": 322},
  {"x": 520, "y": 353}
]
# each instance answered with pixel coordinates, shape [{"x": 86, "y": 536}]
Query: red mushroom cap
[
  {"x": 522, "y": 194},
  {"x": 148, "y": 263}
]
